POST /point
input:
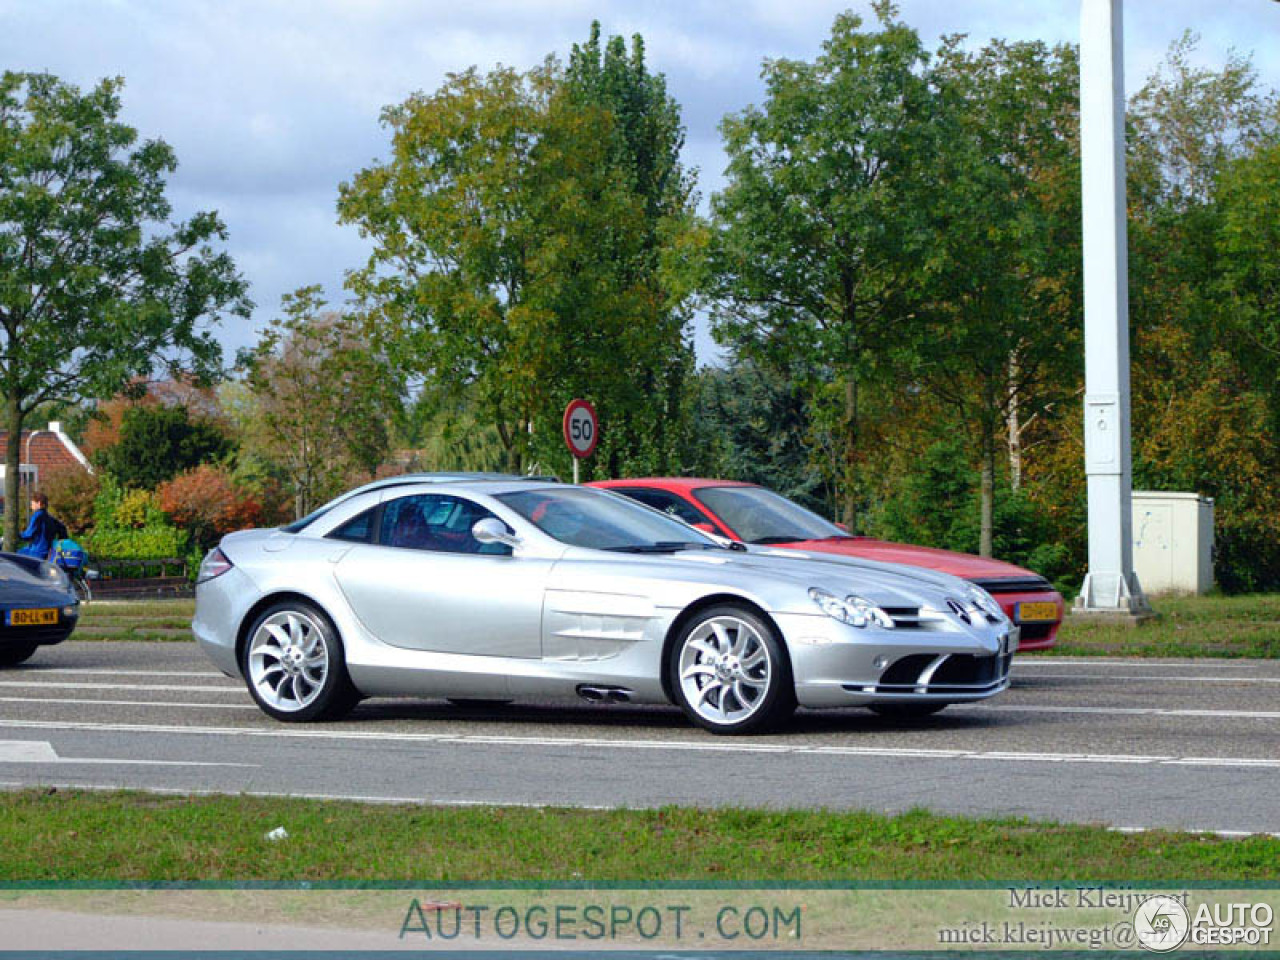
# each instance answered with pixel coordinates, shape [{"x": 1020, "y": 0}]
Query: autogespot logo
[{"x": 1161, "y": 924}]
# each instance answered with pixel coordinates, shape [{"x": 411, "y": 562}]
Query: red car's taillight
[{"x": 215, "y": 564}]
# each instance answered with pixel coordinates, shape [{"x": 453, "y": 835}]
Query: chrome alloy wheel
[
  {"x": 288, "y": 661},
  {"x": 725, "y": 669}
]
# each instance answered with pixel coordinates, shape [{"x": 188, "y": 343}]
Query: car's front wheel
[
  {"x": 12, "y": 654},
  {"x": 294, "y": 664},
  {"x": 729, "y": 672}
]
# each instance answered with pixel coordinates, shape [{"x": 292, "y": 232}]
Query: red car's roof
[{"x": 669, "y": 483}]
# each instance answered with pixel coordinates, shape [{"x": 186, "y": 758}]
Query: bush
[
  {"x": 127, "y": 544},
  {"x": 72, "y": 495},
  {"x": 157, "y": 442},
  {"x": 137, "y": 509},
  {"x": 208, "y": 504}
]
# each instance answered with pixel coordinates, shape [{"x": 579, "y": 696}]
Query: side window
[
  {"x": 435, "y": 523},
  {"x": 666, "y": 502},
  {"x": 359, "y": 529}
]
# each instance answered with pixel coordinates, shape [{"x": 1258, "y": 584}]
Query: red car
[{"x": 753, "y": 514}]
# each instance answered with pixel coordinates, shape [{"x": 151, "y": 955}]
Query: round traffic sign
[{"x": 581, "y": 428}]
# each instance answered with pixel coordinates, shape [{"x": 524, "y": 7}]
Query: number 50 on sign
[{"x": 581, "y": 431}]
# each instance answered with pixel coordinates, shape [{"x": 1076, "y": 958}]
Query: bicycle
[{"x": 72, "y": 560}]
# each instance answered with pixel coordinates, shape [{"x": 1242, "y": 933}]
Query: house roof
[{"x": 48, "y": 450}]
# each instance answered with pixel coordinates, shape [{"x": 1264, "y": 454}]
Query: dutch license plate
[
  {"x": 31, "y": 618},
  {"x": 1037, "y": 612}
]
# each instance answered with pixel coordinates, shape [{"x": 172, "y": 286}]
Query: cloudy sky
[{"x": 271, "y": 103}]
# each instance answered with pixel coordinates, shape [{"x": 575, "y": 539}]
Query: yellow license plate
[
  {"x": 1037, "y": 612},
  {"x": 32, "y": 618}
]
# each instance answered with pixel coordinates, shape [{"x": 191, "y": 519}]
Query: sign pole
[{"x": 1110, "y": 586}]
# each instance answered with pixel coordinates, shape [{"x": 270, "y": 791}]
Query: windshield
[
  {"x": 758, "y": 515},
  {"x": 603, "y": 521}
]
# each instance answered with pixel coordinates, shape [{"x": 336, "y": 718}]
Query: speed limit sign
[{"x": 581, "y": 428}]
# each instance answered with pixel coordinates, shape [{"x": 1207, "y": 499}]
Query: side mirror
[{"x": 493, "y": 530}]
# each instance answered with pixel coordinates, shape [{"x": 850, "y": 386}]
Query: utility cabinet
[{"x": 1173, "y": 542}]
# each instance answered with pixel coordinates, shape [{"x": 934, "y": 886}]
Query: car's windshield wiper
[
  {"x": 764, "y": 541},
  {"x": 662, "y": 546}
]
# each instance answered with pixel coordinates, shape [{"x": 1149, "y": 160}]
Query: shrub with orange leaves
[{"x": 208, "y": 504}]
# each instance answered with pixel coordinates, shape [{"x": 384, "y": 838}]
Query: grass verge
[
  {"x": 152, "y": 620},
  {"x": 1212, "y": 626},
  {"x": 121, "y": 836}
]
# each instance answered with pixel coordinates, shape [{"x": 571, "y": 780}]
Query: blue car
[{"x": 38, "y": 606}]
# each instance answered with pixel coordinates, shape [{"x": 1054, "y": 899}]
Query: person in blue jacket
[{"x": 40, "y": 529}]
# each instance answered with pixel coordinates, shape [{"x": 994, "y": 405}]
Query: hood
[
  {"x": 22, "y": 585},
  {"x": 963, "y": 565}
]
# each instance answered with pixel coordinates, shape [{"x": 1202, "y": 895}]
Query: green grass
[
  {"x": 120, "y": 836},
  {"x": 1212, "y": 626},
  {"x": 153, "y": 620}
]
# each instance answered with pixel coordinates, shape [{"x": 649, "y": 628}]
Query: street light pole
[{"x": 1110, "y": 585}]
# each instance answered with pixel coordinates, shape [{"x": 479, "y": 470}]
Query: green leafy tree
[
  {"x": 1004, "y": 306},
  {"x": 158, "y": 442},
  {"x": 823, "y": 239},
  {"x": 97, "y": 285},
  {"x": 517, "y": 262},
  {"x": 324, "y": 399}
]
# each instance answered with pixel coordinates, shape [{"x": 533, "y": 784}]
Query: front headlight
[
  {"x": 983, "y": 601},
  {"x": 853, "y": 610},
  {"x": 55, "y": 573}
]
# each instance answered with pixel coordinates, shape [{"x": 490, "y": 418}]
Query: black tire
[
  {"x": 907, "y": 711},
  {"x": 330, "y": 699},
  {"x": 12, "y": 654},
  {"x": 775, "y": 696}
]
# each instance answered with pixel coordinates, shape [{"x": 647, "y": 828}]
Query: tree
[
  {"x": 822, "y": 236},
  {"x": 1005, "y": 274},
  {"x": 324, "y": 399},
  {"x": 96, "y": 285},
  {"x": 158, "y": 442},
  {"x": 514, "y": 264},
  {"x": 207, "y": 503}
]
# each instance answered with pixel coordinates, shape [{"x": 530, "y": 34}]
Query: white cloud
[{"x": 271, "y": 103}]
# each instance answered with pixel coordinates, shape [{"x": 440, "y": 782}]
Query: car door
[{"x": 423, "y": 582}]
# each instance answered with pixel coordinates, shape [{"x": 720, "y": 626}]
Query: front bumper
[
  {"x": 835, "y": 665},
  {"x": 45, "y": 635}
]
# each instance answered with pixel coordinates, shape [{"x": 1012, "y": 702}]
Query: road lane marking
[
  {"x": 41, "y": 671},
  {"x": 1199, "y": 664},
  {"x": 163, "y": 687},
  {"x": 42, "y": 751},
  {"x": 356, "y": 736},
  {"x": 1164, "y": 679},
  {"x": 1124, "y": 711},
  {"x": 130, "y": 703}
]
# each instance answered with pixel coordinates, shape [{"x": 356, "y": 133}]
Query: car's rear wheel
[
  {"x": 729, "y": 672},
  {"x": 294, "y": 664},
  {"x": 12, "y": 654},
  {"x": 905, "y": 711}
]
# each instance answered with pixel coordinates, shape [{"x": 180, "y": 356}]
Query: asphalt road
[{"x": 1126, "y": 743}]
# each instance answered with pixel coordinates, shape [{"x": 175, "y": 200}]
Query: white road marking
[
  {"x": 274, "y": 794},
  {"x": 166, "y": 688},
  {"x": 208, "y": 674},
  {"x": 1124, "y": 711},
  {"x": 41, "y": 751},
  {"x": 1164, "y": 679},
  {"x": 131, "y": 703},
  {"x": 1202, "y": 663},
  {"x": 355, "y": 736},
  {"x": 1227, "y": 834}
]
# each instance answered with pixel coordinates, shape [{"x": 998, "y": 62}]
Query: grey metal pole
[{"x": 1110, "y": 585}]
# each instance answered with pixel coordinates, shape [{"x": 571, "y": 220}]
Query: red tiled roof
[{"x": 44, "y": 450}]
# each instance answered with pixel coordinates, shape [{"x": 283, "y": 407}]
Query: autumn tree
[
  {"x": 98, "y": 284},
  {"x": 324, "y": 397}
]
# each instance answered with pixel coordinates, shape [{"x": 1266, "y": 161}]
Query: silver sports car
[{"x": 498, "y": 589}]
